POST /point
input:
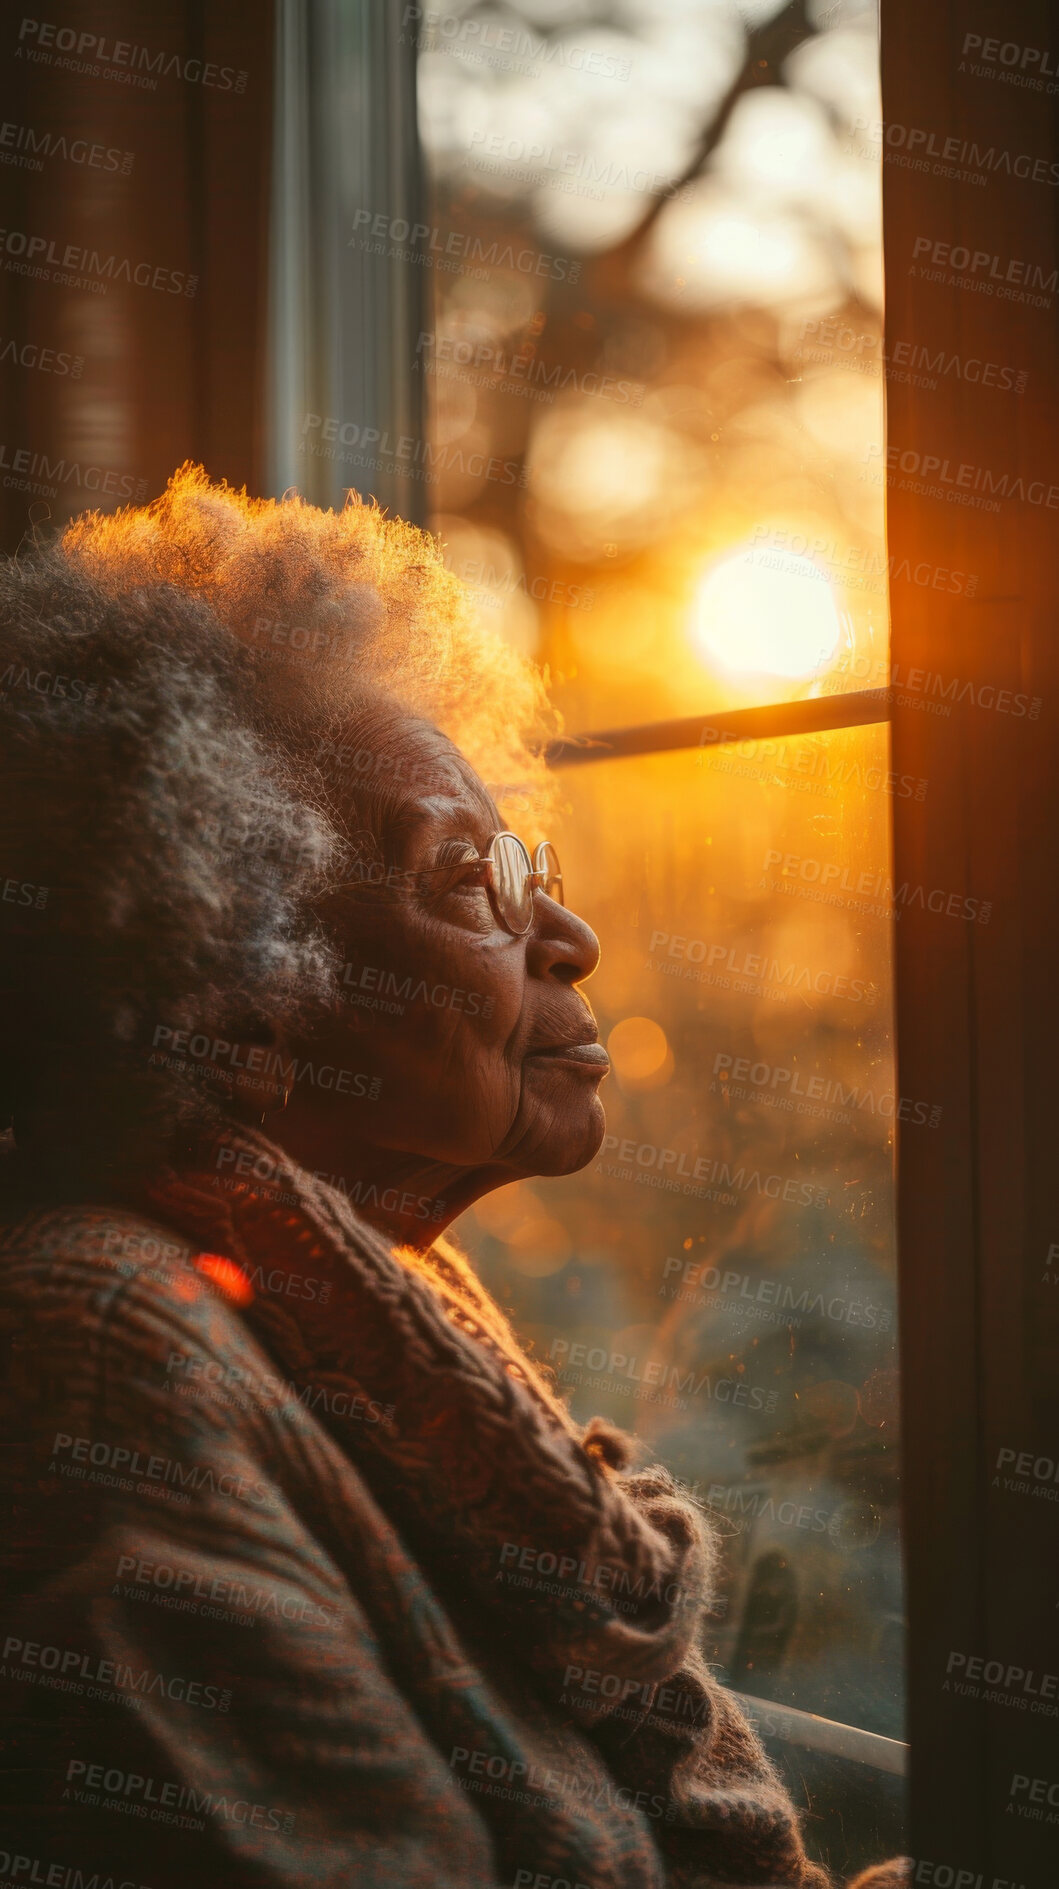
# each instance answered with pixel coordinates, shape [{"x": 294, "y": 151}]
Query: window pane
[
  {"x": 721, "y": 1280},
  {"x": 655, "y": 365},
  {"x": 655, "y": 380}
]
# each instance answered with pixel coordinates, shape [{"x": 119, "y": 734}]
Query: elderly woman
[{"x": 310, "y": 1577}]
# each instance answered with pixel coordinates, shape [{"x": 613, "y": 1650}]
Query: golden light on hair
[
  {"x": 766, "y": 613},
  {"x": 352, "y": 602}
]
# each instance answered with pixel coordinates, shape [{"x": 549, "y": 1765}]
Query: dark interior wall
[
  {"x": 971, "y": 191},
  {"x": 134, "y": 183}
]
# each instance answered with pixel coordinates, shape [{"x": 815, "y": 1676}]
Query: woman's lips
[{"x": 586, "y": 1056}]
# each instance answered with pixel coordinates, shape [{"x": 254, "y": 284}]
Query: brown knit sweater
[{"x": 309, "y": 1581}]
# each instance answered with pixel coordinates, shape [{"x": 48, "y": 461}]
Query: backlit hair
[
  {"x": 178, "y": 684},
  {"x": 339, "y": 603}
]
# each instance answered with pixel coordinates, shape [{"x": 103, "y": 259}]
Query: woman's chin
[{"x": 573, "y": 1139}]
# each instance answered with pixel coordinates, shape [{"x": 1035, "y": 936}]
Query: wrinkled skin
[{"x": 468, "y": 1100}]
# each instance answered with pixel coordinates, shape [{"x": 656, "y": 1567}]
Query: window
[
  {"x": 721, "y": 1280},
  {"x": 654, "y": 392}
]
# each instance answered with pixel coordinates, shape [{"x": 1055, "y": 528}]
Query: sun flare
[{"x": 762, "y": 613}]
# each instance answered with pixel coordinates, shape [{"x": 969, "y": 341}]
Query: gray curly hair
[{"x": 182, "y": 686}]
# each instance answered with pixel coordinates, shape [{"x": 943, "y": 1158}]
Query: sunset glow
[{"x": 765, "y": 613}]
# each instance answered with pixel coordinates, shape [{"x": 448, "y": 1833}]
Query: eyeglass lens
[
  {"x": 511, "y": 881},
  {"x": 546, "y": 862}
]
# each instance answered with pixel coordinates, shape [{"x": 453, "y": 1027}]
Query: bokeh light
[
  {"x": 755, "y": 619},
  {"x": 639, "y": 1051}
]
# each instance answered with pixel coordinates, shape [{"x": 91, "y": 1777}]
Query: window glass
[
  {"x": 721, "y": 1280},
  {"x": 654, "y": 374},
  {"x": 654, "y": 365}
]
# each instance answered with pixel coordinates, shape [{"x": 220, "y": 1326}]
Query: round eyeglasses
[
  {"x": 511, "y": 878},
  {"x": 506, "y": 870}
]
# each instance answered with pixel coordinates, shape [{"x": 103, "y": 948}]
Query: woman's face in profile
[{"x": 479, "y": 1040}]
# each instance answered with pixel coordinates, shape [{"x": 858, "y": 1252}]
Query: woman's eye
[
  {"x": 461, "y": 871},
  {"x": 456, "y": 853}
]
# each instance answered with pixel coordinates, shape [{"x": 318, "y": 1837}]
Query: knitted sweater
[{"x": 308, "y": 1580}]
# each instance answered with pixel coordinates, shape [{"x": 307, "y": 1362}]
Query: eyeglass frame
[{"x": 536, "y": 876}]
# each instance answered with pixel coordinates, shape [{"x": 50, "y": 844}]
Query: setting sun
[{"x": 760, "y": 612}]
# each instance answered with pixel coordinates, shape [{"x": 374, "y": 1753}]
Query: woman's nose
[{"x": 560, "y": 944}]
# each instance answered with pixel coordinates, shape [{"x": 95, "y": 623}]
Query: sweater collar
[{"x": 414, "y": 1371}]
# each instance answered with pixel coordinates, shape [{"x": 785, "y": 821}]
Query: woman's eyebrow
[{"x": 467, "y": 819}]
